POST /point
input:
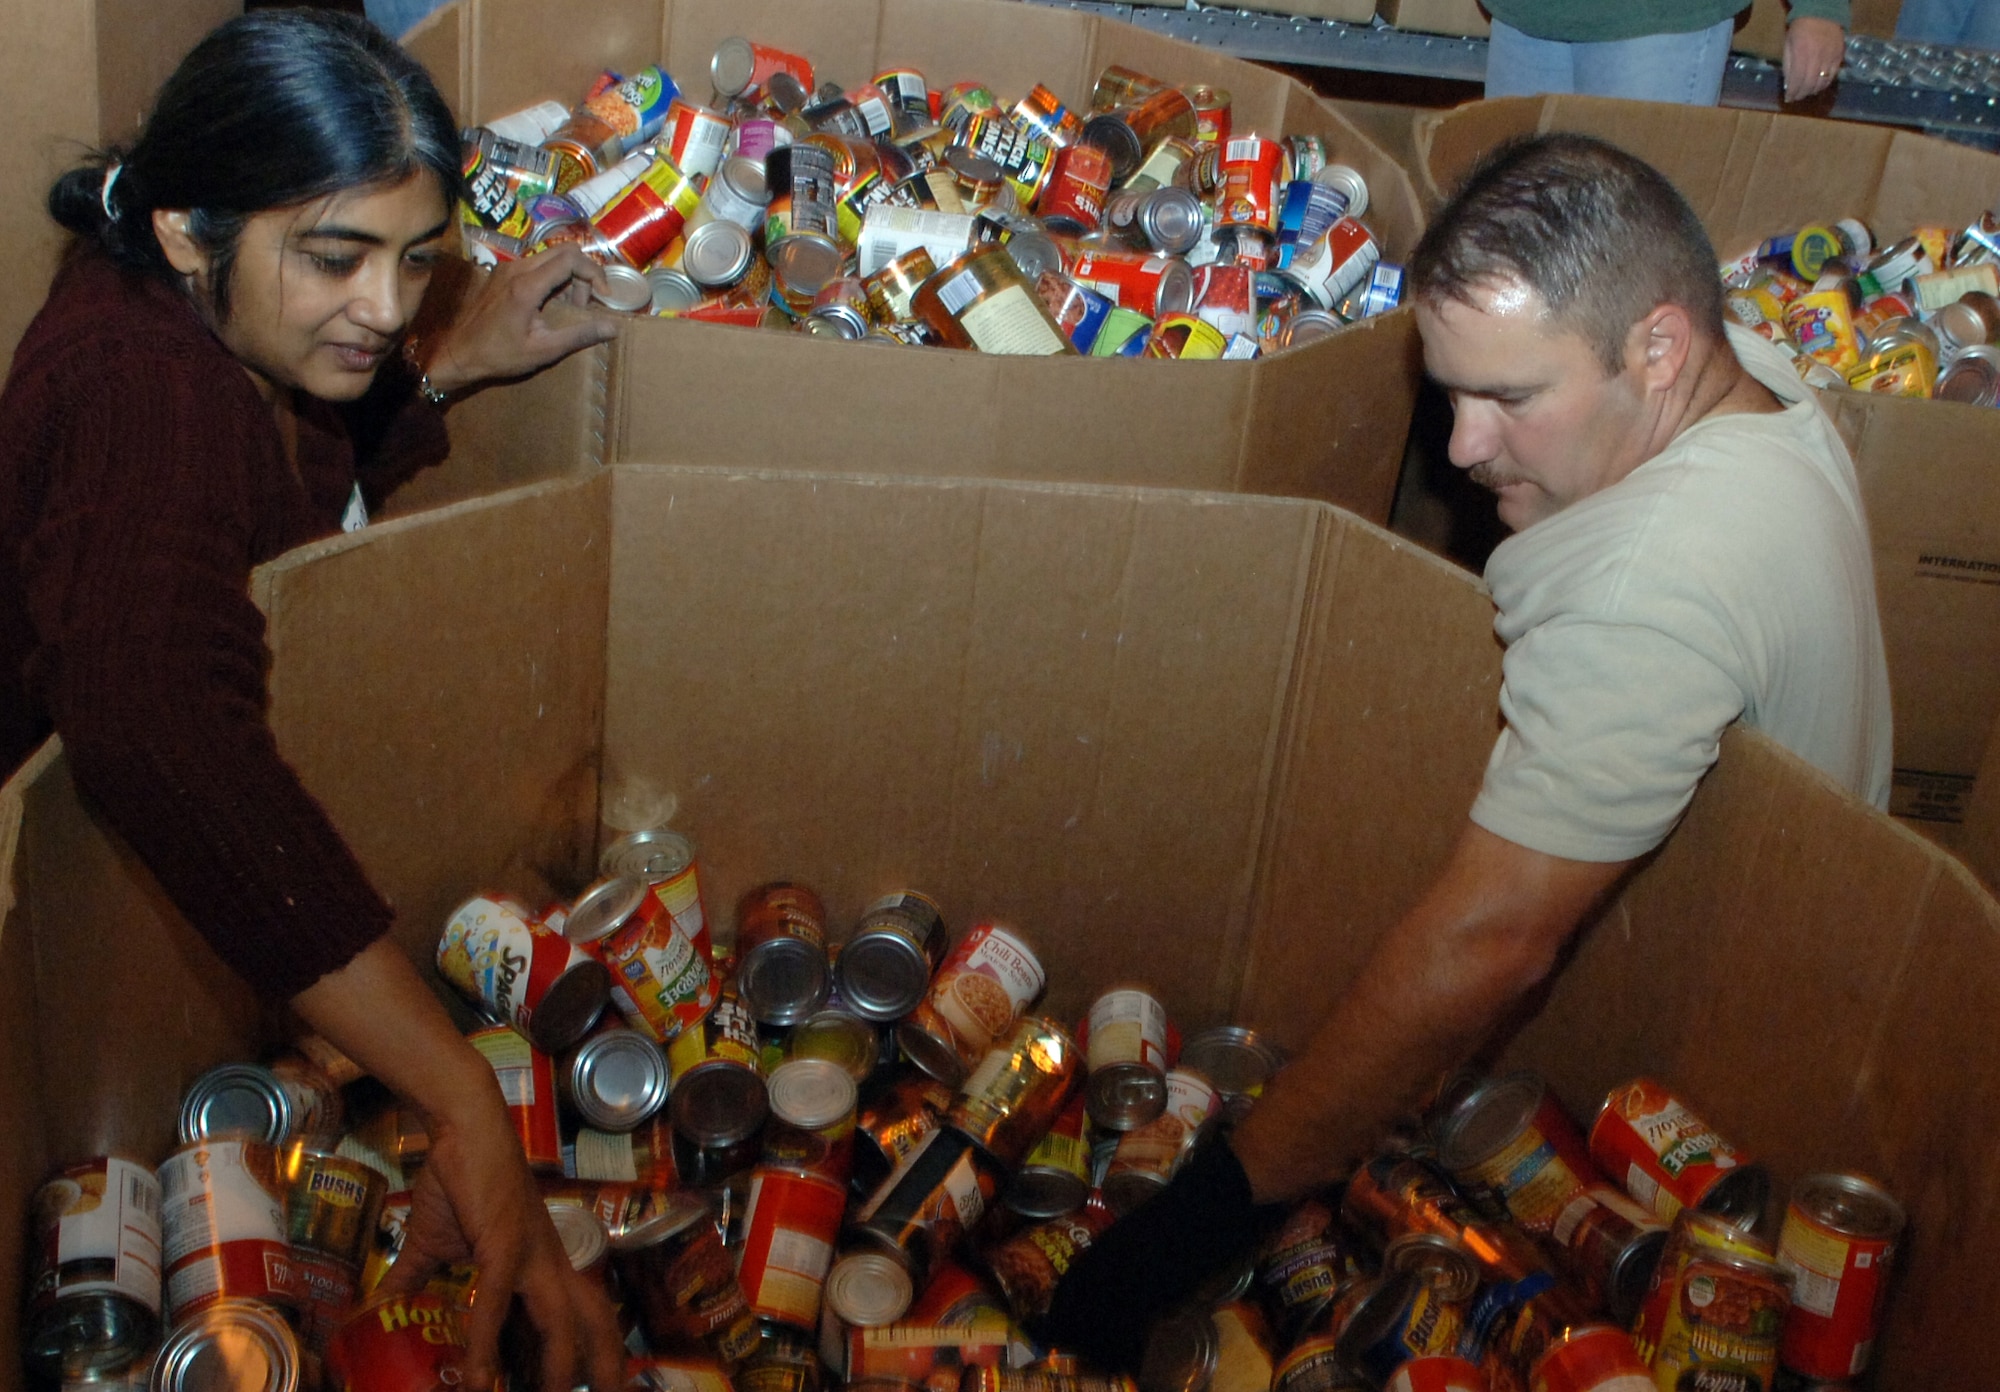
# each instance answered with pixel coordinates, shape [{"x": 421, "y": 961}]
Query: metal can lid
[
  {"x": 1958, "y": 323},
  {"x": 1973, "y": 378},
  {"x": 1437, "y": 1261},
  {"x": 658, "y": 854},
  {"x": 617, "y": 1079},
  {"x": 835, "y": 321},
  {"x": 96, "y": 1340},
  {"x": 1486, "y": 1119},
  {"x": 783, "y": 980},
  {"x": 571, "y": 1005},
  {"x": 1176, "y": 293},
  {"x": 1171, "y": 218},
  {"x": 683, "y": 1209},
  {"x": 1632, "y": 1273},
  {"x": 242, "y": 1345},
  {"x": 732, "y": 66},
  {"x": 625, "y": 290},
  {"x": 584, "y": 1240},
  {"x": 603, "y": 908},
  {"x": 671, "y": 291},
  {"x": 1739, "y": 1196},
  {"x": 236, "y": 1099},
  {"x": 805, "y": 261},
  {"x": 719, "y": 1103},
  {"x": 1349, "y": 181},
  {"x": 1850, "y": 1204},
  {"x": 868, "y": 1289},
  {"x": 1127, "y": 1189},
  {"x": 745, "y": 178},
  {"x": 1045, "y": 1191},
  {"x": 845, "y": 1040},
  {"x": 929, "y": 1043},
  {"x": 1180, "y": 1355},
  {"x": 1125, "y": 1096},
  {"x": 1034, "y": 252},
  {"x": 1231, "y": 1057},
  {"x": 1113, "y": 134},
  {"x": 972, "y": 167},
  {"x": 883, "y": 975},
  {"x": 716, "y": 254},
  {"x": 811, "y": 1093}
]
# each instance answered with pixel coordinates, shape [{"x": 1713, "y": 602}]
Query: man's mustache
[{"x": 1486, "y": 476}]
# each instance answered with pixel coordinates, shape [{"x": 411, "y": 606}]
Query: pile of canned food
[
  {"x": 897, "y": 213},
  {"x": 1919, "y": 318},
  {"x": 797, "y": 1167}
]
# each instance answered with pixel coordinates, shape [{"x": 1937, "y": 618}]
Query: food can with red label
[
  {"x": 639, "y": 223},
  {"x": 318, "y": 1111},
  {"x": 1838, "y": 1241},
  {"x": 781, "y": 966},
  {"x": 1251, "y": 168},
  {"x": 1148, "y": 1157},
  {"x": 1724, "y": 1324},
  {"x": 892, "y": 1123},
  {"x": 1226, "y": 297},
  {"x": 662, "y": 979},
  {"x": 327, "y": 1288},
  {"x": 985, "y": 984},
  {"x": 1018, "y": 1090},
  {"x": 527, "y": 1079},
  {"x": 1692, "y": 1233},
  {"x": 919, "y": 1214},
  {"x": 222, "y": 1226},
  {"x": 1668, "y": 1158},
  {"x": 399, "y": 1343},
  {"x": 789, "y": 1227},
  {"x": 1125, "y": 1037},
  {"x": 1437, "y": 1372},
  {"x": 1074, "y": 201},
  {"x": 1028, "y": 1265},
  {"x": 1211, "y": 113},
  {"x": 717, "y": 1095},
  {"x": 1612, "y": 1245},
  {"x": 93, "y": 1269},
  {"x": 744, "y": 69},
  {"x": 1510, "y": 1138},
  {"x": 529, "y": 977},
  {"x": 694, "y": 138},
  {"x": 1152, "y": 285},
  {"x": 885, "y": 968},
  {"x": 811, "y": 1129},
  {"x": 681, "y": 1285},
  {"x": 1334, "y": 267},
  {"x": 665, "y": 860},
  {"x": 1055, "y": 1178},
  {"x": 1591, "y": 1358},
  {"x": 237, "y": 1344}
]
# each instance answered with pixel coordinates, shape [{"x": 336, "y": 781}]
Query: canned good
[
  {"x": 641, "y": 1156},
  {"x": 1613, "y": 1245},
  {"x": 803, "y": 192},
  {"x": 983, "y": 300},
  {"x": 1821, "y": 322},
  {"x": 781, "y": 970},
  {"x": 222, "y": 1226},
  {"x": 1250, "y": 168},
  {"x": 1018, "y": 154},
  {"x": 1667, "y": 1157},
  {"x": 694, "y": 138},
  {"x": 237, "y": 1099},
  {"x": 801, "y": 266},
  {"x": 1591, "y": 1358},
  {"x": 1335, "y": 266},
  {"x": 590, "y": 196},
  {"x": 624, "y": 291},
  {"x": 1185, "y": 336},
  {"x": 1125, "y": 1038},
  {"x": 1015, "y": 1095},
  {"x": 527, "y": 976},
  {"x": 890, "y": 291},
  {"x": 1437, "y": 1261},
  {"x": 1511, "y": 1138},
  {"x": 1805, "y": 251},
  {"x": 789, "y": 1229},
  {"x": 527, "y": 1079},
  {"x": 327, "y": 1288},
  {"x": 1692, "y": 1233},
  {"x": 1392, "y": 1321},
  {"x": 1973, "y": 378},
  {"x": 332, "y": 1203},
  {"x": 1078, "y": 184},
  {"x": 318, "y": 1111},
  {"x": 1838, "y": 1242},
  {"x": 1302, "y": 1265},
  {"x": 1080, "y": 312},
  {"x": 986, "y": 982},
  {"x": 398, "y": 1342},
  {"x": 681, "y": 1285},
  {"x": 1122, "y": 335},
  {"x": 584, "y": 1239},
  {"x": 891, "y": 233},
  {"x": 1211, "y": 113},
  {"x": 744, "y": 69},
  {"x": 658, "y": 955},
  {"x": 1152, "y": 285},
  {"x": 1396, "y": 1194},
  {"x": 239, "y": 1344},
  {"x": 910, "y": 93},
  {"x": 1437, "y": 1372},
  {"x": 614, "y": 1081},
  {"x": 531, "y": 124},
  {"x": 387, "y": 1243},
  {"x": 716, "y": 256},
  {"x": 892, "y": 1124},
  {"x": 1168, "y": 164},
  {"x": 1149, "y": 1157},
  {"x": 847, "y": 1041},
  {"x": 1724, "y": 1324},
  {"x": 643, "y": 220},
  {"x": 868, "y": 1289},
  {"x": 716, "y": 1091},
  {"x": 919, "y": 1213},
  {"x": 93, "y": 1295},
  {"x": 812, "y": 1119},
  {"x": 1236, "y": 1061},
  {"x": 1055, "y": 1177},
  {"x": 500, "y": 175}
]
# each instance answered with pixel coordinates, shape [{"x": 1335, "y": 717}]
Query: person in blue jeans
[
  {"x": 1961, "y": 23},
  {"x": 1651, "y": 50}
]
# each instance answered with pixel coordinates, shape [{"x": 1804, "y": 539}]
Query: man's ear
[
  {"x": 1659, "y": 344},
  {"x": 173, "y": 226}
]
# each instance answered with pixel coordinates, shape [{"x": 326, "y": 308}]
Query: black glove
[{"x": 1154, "y": 1257}]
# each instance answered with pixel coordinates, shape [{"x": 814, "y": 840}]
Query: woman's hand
[
  {"x": 524, "y": 316},
  {"x": 1814, "y": 51}
]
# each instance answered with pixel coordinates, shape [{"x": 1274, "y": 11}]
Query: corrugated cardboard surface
[{"x": 1462, "y": 17}]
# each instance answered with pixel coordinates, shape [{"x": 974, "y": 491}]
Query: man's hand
[
  {"x": 1437, "y": 984},
  {"x": 524, "y": 316},
  {"x": 1814, "y": 51}
]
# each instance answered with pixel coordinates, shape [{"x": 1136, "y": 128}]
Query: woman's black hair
[{"x": 272, "y": 109}]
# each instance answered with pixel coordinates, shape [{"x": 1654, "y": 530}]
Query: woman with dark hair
[{"x": 213, "y": 380}]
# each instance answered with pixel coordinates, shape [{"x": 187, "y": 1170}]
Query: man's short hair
[{"x": 1599, "y": 234}]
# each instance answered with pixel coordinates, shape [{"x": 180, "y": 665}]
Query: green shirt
[{"x": 1597, "y": 21}]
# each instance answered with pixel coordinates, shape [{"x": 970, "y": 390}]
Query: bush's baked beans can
[
  {"x": 332, "y": 1203},
  {"x": 892, "y": 1123},
  {"x": 811, "y": 1129},
  {"x": 789, "y": 1226},
  {"x": 985, "y": 984},
  {"x": 227, "y": 1342},
  {"x": 222, "y": 1224},
  {"x": 1148, "y": 1157},
  {"x": 398, "y": 1343},
  {"x": 1014, "y": 1096},
  {"x": 1394, "y": 1320},
  {"x": 527, "y": 1079},
  {"x": 1838, "y": 1242},
  {"x": 1125, "y": 1040},
  {"x": 717, "y": 1094},
  {"x": 1152, "y": 285},
  {"x": 93, "y": 1269},
  {"x": 1303, "y": 1265},
  {"x": 1668, "y": 1158},
  {"x": 885, "y": 968},
  {"x": 1055, "y": 1178},
  {"x": 1591, "y": 1358},
  {"x": 527, "y": 976},
  {"x": 781, "y": 966},
  {"x": 1724, "y": 1323},
  {"x": 1028, "y": 1265}
]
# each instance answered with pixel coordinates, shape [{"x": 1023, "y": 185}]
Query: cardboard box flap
[{"x": 1051, "y": 705}]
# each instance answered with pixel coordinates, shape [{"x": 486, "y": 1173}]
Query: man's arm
[{"x": 1485, "y": 934}]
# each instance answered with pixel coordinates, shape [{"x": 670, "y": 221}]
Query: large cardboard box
[
  {"x": 1926, "y": 467},
  {"x": 1327, "y": 421},
  {"x": 1458, "y": 17},
  {"x": 1216, "y": 742}
]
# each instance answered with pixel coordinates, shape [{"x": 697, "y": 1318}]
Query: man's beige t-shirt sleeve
[{"x": 1609, "y": 728}]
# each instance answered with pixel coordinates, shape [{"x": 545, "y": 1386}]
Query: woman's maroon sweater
[{"x": 141, "y": 477}]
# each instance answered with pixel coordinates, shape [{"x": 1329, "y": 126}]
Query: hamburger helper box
[
  {"x": 1926, "y": 467},
  {"x": 1211, "y": 741}
]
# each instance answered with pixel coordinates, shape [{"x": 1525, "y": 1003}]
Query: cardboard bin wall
[
  {"x": 1327, "y": 421},
  {"x": 1926, "y": 467},
  {"x": 1216, "y": 741}
]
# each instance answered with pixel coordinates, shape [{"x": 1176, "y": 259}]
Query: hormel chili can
[
  {"x": 1015, "y": 1095},
  {"x": 1251, "y": 168},
  {"x": 1148, "y": 1157},
  {"x": 398, "y": 1343},
  {"x": 789, "y": 1227},
  {"x": 1125, "y": 1042},
  {"x": 781, "y": 965},
  {"x": 527, "y": 1079},
  {"x": 222, "y": 1222},
  {"x": 93, "y": 1269},
  {"x": 1152, "y": 285},
  {"x": 1074, "y": 201},
  {"x": 1437, "y": 1372},
  {"x": 1591, "y": 1358},
  {"x": 1055, "y": 1178},
  {"x": 536, "y": 980},
  {"x": 987, "y": 981},
  {"x": 694, "y": 138},
  {"x": 1668, "y": 1158},
  {"x": 1838, "y": 1242}
]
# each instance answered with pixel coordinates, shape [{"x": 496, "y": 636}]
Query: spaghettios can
[
  {"x": 892, "y": 1124},
  {"x": 1152, "y": 285},
  {"x": 332, "y": 1203},
  {"x": 1055, "y": 1178},
  {"x": 781, "y": 967},
  {"x": 1146, "y": 1159},
  {"x": 1724, "y": 1325},
  {"x": 744, "y": 69},
  {"x": 1437, "y": 1372},
  {"x": 1838, "y": 1242},
  {"x": 93, "y": 1269},
  {"x": 985, "y": 984},
  {"x": 1591, "y": 1358},
  {"x": 1251, "y": 166},
  {"x": 885, "y": 969},
  {"x": 527, "y": 976},
  {"x": 222, "y": 1223},
  {"x": 717, "y": 1095},
  {"x": 1125, "y": 1041},
  {"x": 789, "y": 1227},
  {"x": 694, "y": 138},
  {"x": 399, "y": 1343},
  {"x": 1668, "y": 1158},
  {"x": 644, "y": 220},
  {"x": 527, "y": 1079},
  {"x": 1018, "y": 1090}
]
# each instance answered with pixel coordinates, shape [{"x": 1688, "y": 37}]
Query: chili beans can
[
  {"x": 717, "y": 1093},
  {"x": 332, "y": 1203},
  {"x": 238, "y": 1344},
  {"x": 892, "y": 1124},
  {"x": 1724, "y": 1325},
  {"x": 1692, "y": 1233},
  {"x": 1591, "y": 1358},
  {"x": 782, "y": 971},
  {"x": 1668, "y": 1158},
  {"x": 986, "y": 982},
  {"x": 811, "y": 1129},
  {"x": 1146, "y": 1159},
  {"x": 1125, "y": 1038},
  {"x": 789, "y": 1229},
  {"x": 681, "y": 1283},
  {"x": 1437, "y": 1372},
  {"x": 222, "y": 1223},
  {"x": 1838, "y": 1241},
  {"x": 398, "y": 1343},
  {"x": 1055, "y": 1178},
  {"x": 527, "y": 976},
  {"x": 94, "y": 1269}
]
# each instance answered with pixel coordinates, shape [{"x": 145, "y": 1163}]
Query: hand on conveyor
[{"x": 1154, "y": 1257}]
